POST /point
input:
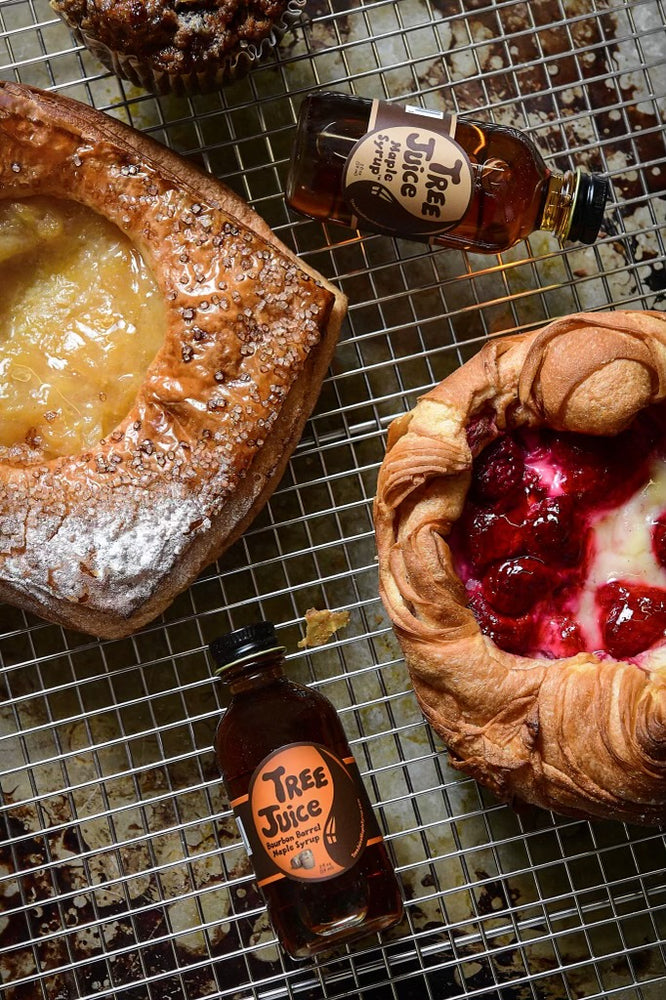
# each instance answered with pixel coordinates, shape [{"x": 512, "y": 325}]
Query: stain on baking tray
[
  {"x": 113, "y": 881},
  {"x": 340, "y": 23},
  {"x": 107, "y": 885},
  {"x": 559, "y": 74},
  {"x": 566, "y": 78},
  {"x": 63, "y": 912}
]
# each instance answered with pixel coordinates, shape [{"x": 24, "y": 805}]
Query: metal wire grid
[{"x": 121, "y": 873}]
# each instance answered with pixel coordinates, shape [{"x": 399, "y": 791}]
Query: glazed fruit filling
[
  {"x": 562, "y": 542},
  {"x": 80, "y": 321}
]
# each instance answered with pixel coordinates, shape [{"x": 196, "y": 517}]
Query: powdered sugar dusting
[{"x": 114, "y": 558}]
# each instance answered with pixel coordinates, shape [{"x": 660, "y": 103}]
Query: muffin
[{"x": 179, "y": 46}]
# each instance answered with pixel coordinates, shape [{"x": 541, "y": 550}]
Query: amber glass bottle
[
  {"x": 429, "y": 176},
  {"x": 299, "y": 801}
]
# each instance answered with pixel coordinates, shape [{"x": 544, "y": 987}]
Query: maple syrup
[
  {"x": 299, "y": 801},
  {"x": 426, "y": 175}
]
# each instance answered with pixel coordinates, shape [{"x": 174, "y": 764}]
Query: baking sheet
[{"x": 121, "y": 872}]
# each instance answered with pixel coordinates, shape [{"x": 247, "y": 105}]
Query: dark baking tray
[{"x": 121, "y": 872}]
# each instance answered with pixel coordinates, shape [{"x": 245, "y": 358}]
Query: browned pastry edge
[
  {"x": 579, "y": 736},
  {"x": 104, "y": 540}
]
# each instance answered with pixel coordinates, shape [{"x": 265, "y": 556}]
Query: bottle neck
[
  {"x": 560, "y": 203},
  {"x": 253, "y": 671}
]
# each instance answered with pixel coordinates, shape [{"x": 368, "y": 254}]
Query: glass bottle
[
  {"x": 432, "y": 176},
  {"x": 299, "y": 801}
]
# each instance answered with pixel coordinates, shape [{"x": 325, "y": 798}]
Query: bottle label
[
  {"x": 306, "y": 815},
  {"x": 404, "y": 177}
]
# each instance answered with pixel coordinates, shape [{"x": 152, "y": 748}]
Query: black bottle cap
[
  {"x": 588, "y": 211},
  {"x": 243, "y": 643}
]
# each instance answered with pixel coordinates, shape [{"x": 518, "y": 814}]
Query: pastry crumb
[{"x": 321, "y": 625}]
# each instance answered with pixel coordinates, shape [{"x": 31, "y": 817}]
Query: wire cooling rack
[{"x": 121, "y": 871}]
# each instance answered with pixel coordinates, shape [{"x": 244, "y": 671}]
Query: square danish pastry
[{"x": 107, "y": 512}]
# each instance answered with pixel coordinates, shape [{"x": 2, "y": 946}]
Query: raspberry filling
[{"x": 562, "y": 541}]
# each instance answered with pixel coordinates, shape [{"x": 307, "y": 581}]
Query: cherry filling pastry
[
  {"x": 520, "y": 519},
  {"x": 562, "y": 542}
]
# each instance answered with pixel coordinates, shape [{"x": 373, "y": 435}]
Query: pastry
[
  {"x": 321, "y": 625},
  {"x": 102, "y": 539},
  {"x": 521, "y": 530},
  {"x": 179, "y": 46}
]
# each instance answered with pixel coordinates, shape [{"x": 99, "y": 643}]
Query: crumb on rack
[{"x": 320, "y": 626}]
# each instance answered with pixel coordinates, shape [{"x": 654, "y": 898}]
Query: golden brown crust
[
  {"x": 103, "y": 541},
  {"x": 575, "y": 735}
]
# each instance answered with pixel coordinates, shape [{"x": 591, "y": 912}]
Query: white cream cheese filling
[{"x": 622, "y": 550}]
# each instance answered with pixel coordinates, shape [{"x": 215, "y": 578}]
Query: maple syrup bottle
[
  {"x": 431, "y": 176},
  {"x": 299, "y": 801}
]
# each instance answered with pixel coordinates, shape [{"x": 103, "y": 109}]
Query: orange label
[{"x": 305, "y": 815}]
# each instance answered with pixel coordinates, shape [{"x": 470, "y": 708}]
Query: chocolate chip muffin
[{"x": 179, "y": 46}]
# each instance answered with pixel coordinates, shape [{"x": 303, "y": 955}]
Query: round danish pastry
[
  {"x": 521, "y": 529},
  {"x": 103, "y": 537}
]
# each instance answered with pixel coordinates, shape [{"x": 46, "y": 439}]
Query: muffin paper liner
[{"x": 211, "y": 77}]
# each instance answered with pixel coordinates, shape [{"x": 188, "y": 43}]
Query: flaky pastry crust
[
  {"x": 103, "y": 541},
  {"x": 578, "y": 735}
]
